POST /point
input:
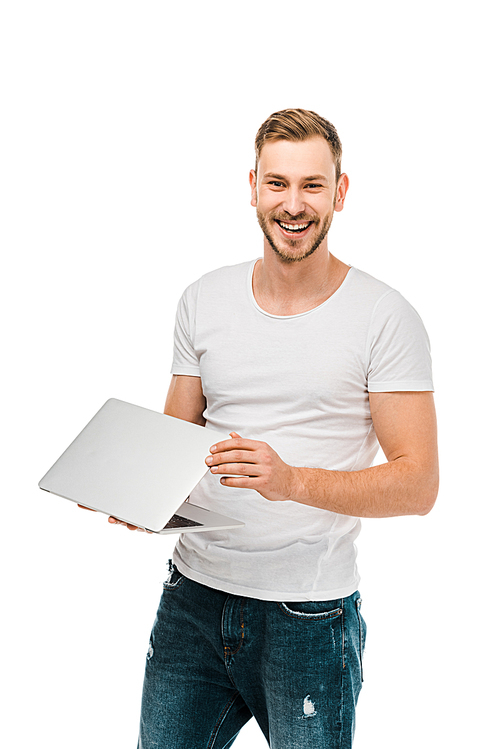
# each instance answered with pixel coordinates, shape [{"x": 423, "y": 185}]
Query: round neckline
[{"x": 299, "y": 314}]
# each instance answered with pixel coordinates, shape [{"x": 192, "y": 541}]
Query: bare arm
[
  {"x": 185, "y": 399},
  {"x": 405, "y": 424}
]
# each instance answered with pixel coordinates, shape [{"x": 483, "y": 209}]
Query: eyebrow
[{"x": 312, "y": 178}]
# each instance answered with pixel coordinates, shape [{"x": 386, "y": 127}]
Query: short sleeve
[
  {"x": 185, "y": 360},
  {"x": 398, "y": 349}
]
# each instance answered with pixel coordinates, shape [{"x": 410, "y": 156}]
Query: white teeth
[{"x": 293, "y": 227}]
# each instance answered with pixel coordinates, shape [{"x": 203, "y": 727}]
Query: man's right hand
[{"x": 115, "y": 521}]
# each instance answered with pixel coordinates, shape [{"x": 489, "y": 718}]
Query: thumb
[{"x": 235, "y": 435}]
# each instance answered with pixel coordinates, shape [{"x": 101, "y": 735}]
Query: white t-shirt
[{"x": 301, "y": 384}]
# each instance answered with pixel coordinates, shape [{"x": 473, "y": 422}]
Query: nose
[{"x": 293, "y": 202}]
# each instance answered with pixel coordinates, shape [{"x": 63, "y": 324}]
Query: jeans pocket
[
  {"x": 312, "y": 610},
  {"x": 175, "y": 578}
]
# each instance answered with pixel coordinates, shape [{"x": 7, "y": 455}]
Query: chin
[
  {"x": 289, "y": 257},
  {"x": 291, "y": 252}
]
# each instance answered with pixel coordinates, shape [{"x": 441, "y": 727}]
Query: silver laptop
[{"x": 139, "y": 466}]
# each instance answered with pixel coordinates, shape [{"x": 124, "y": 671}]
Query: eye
[
  {"x": 275, "y": 183},
  {"x": 313, "y": 186}
]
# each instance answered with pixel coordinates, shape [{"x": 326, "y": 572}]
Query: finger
[
  {"x": 245, "y": 469},
  {"x": 235, "y": 442},
  {"x": 82, "y": 507},
  {"x": 232, "y": 456},
  {"x": 241, "y": 482}
]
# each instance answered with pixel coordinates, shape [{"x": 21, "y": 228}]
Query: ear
[
  {"x": 253, "y": 185},
  {"x": 341, "y": 190}
]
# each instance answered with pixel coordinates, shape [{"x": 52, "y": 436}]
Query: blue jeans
[{"x": 215, "y": 660}]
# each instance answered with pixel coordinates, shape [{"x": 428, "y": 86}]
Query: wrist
[{"x": 298, "y": 485}]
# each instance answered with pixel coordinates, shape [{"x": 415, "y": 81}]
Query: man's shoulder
[
  {"x": 227, "y": 274},
  {"x": 380, "y": 300},
  {"x": 367, "y": 283},
  {"x": 228, "y": 271},
  {"x": 364, "y": 293}
]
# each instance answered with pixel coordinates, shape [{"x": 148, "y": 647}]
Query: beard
[{"x": 289, "y": 251}]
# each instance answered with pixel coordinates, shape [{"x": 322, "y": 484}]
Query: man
[{"x": 309, "y": 365}]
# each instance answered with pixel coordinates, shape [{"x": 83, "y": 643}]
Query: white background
[{"x": 127, "y": 135}]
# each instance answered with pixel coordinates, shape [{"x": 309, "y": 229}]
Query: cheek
[
  {"x": 324, "y": 205},
  {"x": 265, "y": 206}
]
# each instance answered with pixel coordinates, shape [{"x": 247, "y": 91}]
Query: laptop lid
[{"x": 139, "y": 466}]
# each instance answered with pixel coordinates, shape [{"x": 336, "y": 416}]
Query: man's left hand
[{"x": 257, "y": 465}]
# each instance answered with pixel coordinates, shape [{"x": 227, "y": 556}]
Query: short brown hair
[{"x": 297, "y": 125}]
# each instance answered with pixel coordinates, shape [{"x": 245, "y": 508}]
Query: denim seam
[
  {"x": 343, "y": 638},
  {"x": 342, "y": 687},
  {"x": 242, "y": 626},
  {"x": 358, "y": 611},
  {"x": 342, "y": 682},
  {"x": 228, "y": 653},
  {"x": 222, "y": 717}
]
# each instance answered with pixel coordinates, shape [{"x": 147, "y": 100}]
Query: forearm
[
  {"x": 399, "y": 487},
  {"x": 405, "y": 485}
]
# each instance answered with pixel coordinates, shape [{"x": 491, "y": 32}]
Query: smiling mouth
[{"x": 294, "y": 229}]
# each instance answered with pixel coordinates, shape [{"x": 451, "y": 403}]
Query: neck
[{"x": 291, "y": 288}]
